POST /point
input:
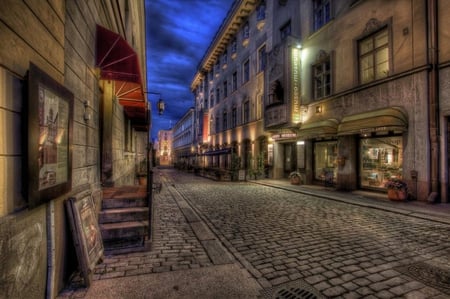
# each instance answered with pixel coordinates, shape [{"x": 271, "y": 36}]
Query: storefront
[
  {"x": 325, "y": 156},
  {"x": 380, "y": 159}
]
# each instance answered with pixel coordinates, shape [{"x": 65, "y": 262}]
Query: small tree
[
  {"x": 235, "y": 166},
  {"x": 257, "y": 169}
]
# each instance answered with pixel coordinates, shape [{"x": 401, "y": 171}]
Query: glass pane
[
  {"x": 381, "y": 159},
  {"x": 381, "y": 39},
  {"x": 365, "y": 46}
]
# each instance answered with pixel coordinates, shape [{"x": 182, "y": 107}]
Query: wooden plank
[
  {"x": 21, "y": 20},
  {"x": 18, "y": 60},
  {"x": 51, "y": 20}
]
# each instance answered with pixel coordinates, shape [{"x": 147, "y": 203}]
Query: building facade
[
  {"x": 353, "y": 91},
  {"x": 73, "y": 120},
  {"x": 183, "y": 140},
  {"x": 165, "y": 147}
]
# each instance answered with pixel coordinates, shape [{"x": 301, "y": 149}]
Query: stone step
[
  {"x": 123, "y": 215},
  {"x": 125, "y": 202},
  {"x": 119, "y": 230}
]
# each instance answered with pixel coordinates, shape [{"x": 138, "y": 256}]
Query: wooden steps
[{"x": 124, "y": 219}]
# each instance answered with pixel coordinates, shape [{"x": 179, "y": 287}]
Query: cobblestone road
[{"x": 339, "y": 249}]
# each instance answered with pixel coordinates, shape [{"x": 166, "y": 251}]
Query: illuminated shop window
[
  {"x": 381, "y": 159},
  {"x": 325, "y": 154}
]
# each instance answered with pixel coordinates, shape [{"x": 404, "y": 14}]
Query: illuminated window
[
  {"x": 322, "y": 13},
  {"x": 322, "y": 78},
  {"x": 246, "y": 72},
  {"x": 373, "y": 54}
]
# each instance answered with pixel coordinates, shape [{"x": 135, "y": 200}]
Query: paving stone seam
[
  {"x": 361, "y": 204},
  {"x": 244, "y": 263}
]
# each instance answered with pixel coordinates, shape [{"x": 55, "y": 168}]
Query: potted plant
[
  {"x": 295, "y": 177},
  {"x": 397, "y": 189}
]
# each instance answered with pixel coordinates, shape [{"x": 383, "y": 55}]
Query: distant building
[
  {"x": 183, "y": 139},
  {"x": 349, "y": 90},
  {"x": 165, "y": 152}
]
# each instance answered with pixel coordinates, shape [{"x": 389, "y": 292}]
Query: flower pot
[
  {"x": 295, "y": 180},
  {"x": 394, "y": 194},
  {"x": 142, "y": 180}
]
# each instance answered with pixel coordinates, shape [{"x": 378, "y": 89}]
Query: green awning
[
  {"x": 386, "y": 119},
  {"x": 324, "y": 128}
]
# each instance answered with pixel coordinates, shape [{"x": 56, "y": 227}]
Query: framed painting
[
  {"x": 49, "y": 138},
  {"x": 86, "y": 233}
]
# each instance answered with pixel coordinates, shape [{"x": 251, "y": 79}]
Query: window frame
[
  {"x": 372, "y": 53},
  {"x": 319, "y": 6},
  {"x": 325, "y": 59},
  {"x": 262, "y": 58}
]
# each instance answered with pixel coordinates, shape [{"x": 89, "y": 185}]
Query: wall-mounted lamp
[
  {"x": 298, "y": 46},
  {"x": 86, "y": 114},
  {"x": 319, "y": 109}
]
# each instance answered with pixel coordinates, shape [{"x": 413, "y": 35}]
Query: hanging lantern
[{"x": 160, "y": 106}]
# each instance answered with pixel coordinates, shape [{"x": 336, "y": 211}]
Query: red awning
[
  {"x": 115, "y": 57},
  {"x": 119, "y": 62}
]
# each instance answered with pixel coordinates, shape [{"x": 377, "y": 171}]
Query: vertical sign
[{"x": 295, "y": 85}]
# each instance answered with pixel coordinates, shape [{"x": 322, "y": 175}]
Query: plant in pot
[
  {"x": 397, "y": 189},
  {"x": 141, "y": 172},
  {"x": 295, "y": 178}
]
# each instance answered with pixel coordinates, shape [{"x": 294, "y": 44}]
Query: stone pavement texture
[{"x": 262, "y": 238}]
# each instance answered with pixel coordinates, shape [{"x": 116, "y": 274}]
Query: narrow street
[{"x": 247, "y": 240}]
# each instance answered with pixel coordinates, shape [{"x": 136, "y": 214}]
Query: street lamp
[{"x": 160, "y": 106}]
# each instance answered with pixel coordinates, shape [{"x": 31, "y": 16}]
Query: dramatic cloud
[{"x": 178, "y": 34}]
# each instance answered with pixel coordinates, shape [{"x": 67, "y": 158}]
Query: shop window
[
  {"x": 381, "y": 159},
  {"x": 321, "y": 13},
  {"x": 325, "y": 154},
  {"x": 373, "y": 54}
]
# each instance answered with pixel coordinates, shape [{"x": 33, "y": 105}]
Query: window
[
  {"x": 322, "y": 78},
  {"x": 234, "y": 117},
  {"x": 217, "y": 124},
  {"x": 225, "y": 89},
  {"x": 233, "y": 48},
  {"x": 374, "y": 56},
  {"x": 211, "y": 97},
  {"x": 206, "y": 104},
  {"x": 246, "y": 72},
  {"x": 262, "y": 58},
  {"x": 225, "y": 120},
  {"x": 246, "y": 32},
  {"x": 285, "y": 31},
  {"x": 224, "y": 59},
  {"x": 234, "y": 82},
  {"x": 217, "y": 68},
  {"x": 217, "y": 94},
  {"x": 322, "y": 13},
  {"x": 246, "y": 111}
]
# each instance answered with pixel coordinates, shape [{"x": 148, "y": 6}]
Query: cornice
[{"x": 237, "y": 15}]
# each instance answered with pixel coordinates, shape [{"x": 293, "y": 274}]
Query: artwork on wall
[
  {"x": 49, "y": 138},
  {"x": 86, "y": 233}
]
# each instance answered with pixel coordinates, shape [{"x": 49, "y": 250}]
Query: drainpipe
[{"x": 433, "y": 96}]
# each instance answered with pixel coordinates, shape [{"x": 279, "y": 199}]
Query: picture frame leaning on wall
[{"x": 86, "y": 233}]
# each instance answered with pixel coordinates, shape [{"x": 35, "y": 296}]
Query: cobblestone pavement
[
  {"x": 174, "y": 247},
  {"x": 338, "y": 249}
]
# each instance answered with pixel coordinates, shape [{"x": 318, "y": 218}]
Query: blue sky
[{"x": 178, "y": 34}]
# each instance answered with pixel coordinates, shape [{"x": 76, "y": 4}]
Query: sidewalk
[{"x": 434, "y": 212}]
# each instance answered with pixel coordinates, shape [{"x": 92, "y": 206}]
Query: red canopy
[
  {"x": 115, "y": 57},
  {"x": 118, "y": 61}
]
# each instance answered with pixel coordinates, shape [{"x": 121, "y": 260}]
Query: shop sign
[
  {"x": 284, "y": 136},
  {"x": 295, "y": 85}
]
